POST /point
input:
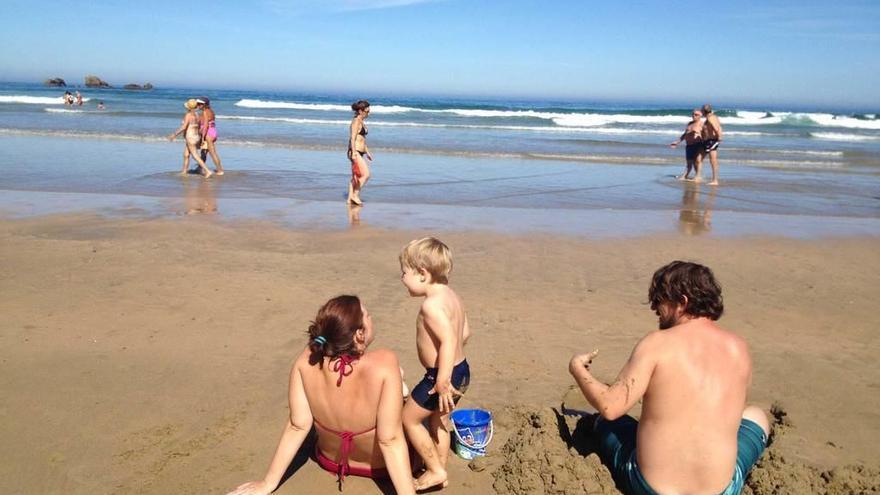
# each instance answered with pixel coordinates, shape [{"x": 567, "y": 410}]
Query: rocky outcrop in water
[
  {"x": 145, "y": 87},
  {"x": 96, "y": 82},
  {"x": 55, "y": 82}
]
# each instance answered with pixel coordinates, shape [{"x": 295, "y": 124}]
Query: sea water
[{"x": 460, "y": 163}]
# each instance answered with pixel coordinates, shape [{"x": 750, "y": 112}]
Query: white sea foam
[
  {"x": 325, "y": 107},
  {"x": 551, "y": 129},
  {"x": 289, "y": 120},
  {"x": 837, "y": 136},
  {"x": 33, "y": 100},
  {"x": 598, "y": 119},
  {"x": 64, "y": 110},
  {"x": 590, "y": 119},
  {"x": 752, "y": 118}
]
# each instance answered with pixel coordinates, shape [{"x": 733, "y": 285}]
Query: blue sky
[{"x": 798, "y": 52}]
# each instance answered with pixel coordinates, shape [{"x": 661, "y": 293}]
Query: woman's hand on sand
[
  {"x": 252, "y": 488},
  {"x": 582, "y": 361}
]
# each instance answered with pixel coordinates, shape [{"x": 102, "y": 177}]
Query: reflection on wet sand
[
  {"x": 200, "y": 196},
  {"x": 354, "y": 214},
  {"x": 695, "y": 215}
]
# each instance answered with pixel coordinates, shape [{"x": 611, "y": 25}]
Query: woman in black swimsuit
[{"x": 358, "y": 152}]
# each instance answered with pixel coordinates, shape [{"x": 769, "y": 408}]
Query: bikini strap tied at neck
[{"x": 344, "y": 366}]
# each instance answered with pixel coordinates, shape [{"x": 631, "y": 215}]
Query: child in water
[{"x": 441, "y": 332}]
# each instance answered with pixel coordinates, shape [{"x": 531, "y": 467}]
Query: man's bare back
[
  {"x": 695, "y": 434},
  {"x": 693, "y": 449},
  {"x": 712, "y": 129}
]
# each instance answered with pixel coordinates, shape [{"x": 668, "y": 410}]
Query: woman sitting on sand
[
  {"x": 190, "y": 125},
  {"x": 354, "y": 399},
  {"x": 357, "y": 150}
]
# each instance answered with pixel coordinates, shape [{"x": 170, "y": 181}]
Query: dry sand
[{"x": 150, "y": 356}]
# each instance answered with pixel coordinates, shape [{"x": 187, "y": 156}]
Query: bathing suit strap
[
  {"x": 344, "y": 366},
  {"x": 347, "y": 438}
]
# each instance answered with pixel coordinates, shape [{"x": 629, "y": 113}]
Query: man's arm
[
  {"x": 613, "y": 401},
  {"x": 438, "y": 323}
]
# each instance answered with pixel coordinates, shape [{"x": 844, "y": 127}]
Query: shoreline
[
  {"x": 692, "y": 220},
  {"x": 150, "y": 355}
]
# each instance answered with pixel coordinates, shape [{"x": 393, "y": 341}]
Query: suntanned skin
[
  {"x": 441, "y": 333},
  {"x": 356, "y": 144},
  {"x": 692, "y": 378},
  {"x": 712, "y": 130},
  {"x": 190, "y": 148},
  {"x": 370, "y": 396},
  {"x": 208, "y": 116},
  {"x": 692, "y": 134}
]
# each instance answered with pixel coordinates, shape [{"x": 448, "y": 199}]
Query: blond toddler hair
[{"x": 429, "y": 254}]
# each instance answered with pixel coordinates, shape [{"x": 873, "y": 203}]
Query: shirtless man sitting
[{"x": 695, "y": 434}]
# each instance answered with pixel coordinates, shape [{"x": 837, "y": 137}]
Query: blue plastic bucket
[{"x": 473, "y": 430}]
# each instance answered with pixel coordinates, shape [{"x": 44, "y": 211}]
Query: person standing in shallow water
[
  {"x": 190, "y": 126},
  {"x": 712, "y": 135},
  {"x": 208, "y": 131},
  {"x": 693, "y": 138},
  {"x": 695, "y": 434},
  {"x": 358, "y": 151}
]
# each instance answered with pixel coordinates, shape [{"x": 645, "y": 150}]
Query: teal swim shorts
[{"x": 617, "y": 449}]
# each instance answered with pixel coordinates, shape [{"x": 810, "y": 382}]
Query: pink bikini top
[{"x": 344, "y": 366}]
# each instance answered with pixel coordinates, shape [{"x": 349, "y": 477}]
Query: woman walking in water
[
  {"x": 209, "y": 134},
  {"x": 190, "y": 125},
  {"x": 357, "y": 151}
]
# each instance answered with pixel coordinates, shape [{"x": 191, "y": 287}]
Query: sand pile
[
  {"x": 776, "y": 473},
  {"x": 551, "y": 453},
  {"x": 545, "y": 453}
]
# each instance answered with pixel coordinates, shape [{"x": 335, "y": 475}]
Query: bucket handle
[{"x": 461, "y": 440}]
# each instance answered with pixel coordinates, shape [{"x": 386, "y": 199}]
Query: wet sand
[{"x": 150, "y": 355}]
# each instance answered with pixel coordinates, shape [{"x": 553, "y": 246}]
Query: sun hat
[{"x": 190, "y": 104}]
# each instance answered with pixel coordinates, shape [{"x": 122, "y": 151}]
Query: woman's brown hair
[
  {"x": 333, "y": 330},
  {"x": 360, "y": 105}
]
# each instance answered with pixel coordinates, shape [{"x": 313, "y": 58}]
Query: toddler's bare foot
[{"x": 431, "y": 479}]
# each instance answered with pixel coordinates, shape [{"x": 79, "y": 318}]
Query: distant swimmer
[
  {"x": 100, "y": 105},
  {"x": 208, "y": 132},
  {"x": 68, "y": 98},
  {"x": 190, "y": 126},
  {"x": 79, "y": 99},
  {"x": 357, "y": 150},
  {"x": 712, "y": 136},
  {"x": 693, "y": 138}
]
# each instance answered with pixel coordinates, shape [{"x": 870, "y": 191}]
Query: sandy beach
[{"x": 150, "y": 355}]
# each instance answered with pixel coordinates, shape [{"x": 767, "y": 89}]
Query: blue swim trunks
[
  {"x": 461, "y": 378},
  {"x": 617, "y": 449}
]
